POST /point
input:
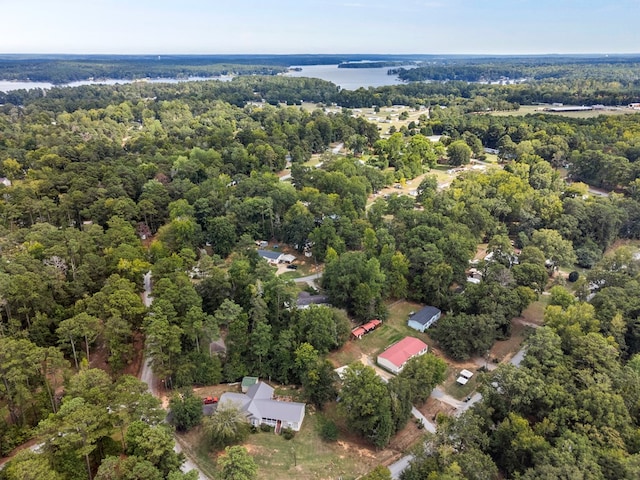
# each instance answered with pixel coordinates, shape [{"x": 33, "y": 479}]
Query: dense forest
[
  {"x": 192, "y": 168},
  {"x": 617, "y": 68}
]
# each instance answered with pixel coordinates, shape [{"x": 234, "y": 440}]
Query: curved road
[{"x": 309, "y": 280}]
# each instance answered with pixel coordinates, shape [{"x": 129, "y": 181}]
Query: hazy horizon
[{"x": 282, "y": 27}]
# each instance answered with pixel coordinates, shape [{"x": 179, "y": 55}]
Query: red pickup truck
[{"x": 210, "y": 400}]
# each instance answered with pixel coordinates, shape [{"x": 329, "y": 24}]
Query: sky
[{"x": 319, "y": 26}]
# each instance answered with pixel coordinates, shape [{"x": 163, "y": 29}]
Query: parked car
[
  {"x": 210, "y": 400},
  {"x": 292, "y": 267}
]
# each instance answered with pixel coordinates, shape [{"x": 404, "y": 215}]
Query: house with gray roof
[
  {"x": 423, "y": 319},
  {"x": 269, "y": 256},
  {"x": 260, "y": 407},
  {"x": 305, "y": 300},
  {"x": 276, "y": 257}
]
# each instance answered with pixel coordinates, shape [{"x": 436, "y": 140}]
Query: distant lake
[
  {"x": 349, "y": 78},
  {"x": 9, "y": 85}
]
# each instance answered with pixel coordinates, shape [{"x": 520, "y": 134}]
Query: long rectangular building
[{"x": 397, "y": 355}]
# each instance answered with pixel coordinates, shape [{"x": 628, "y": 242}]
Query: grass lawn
[
  {"x": 193, "y": 447},
  {"x": 503, "y": 350},
  {"x": 442, "y": 174},
  {"x": 393, "y": 329},
  {"x": 453, "y": 388},
  {"x": 305, "y": 267},
  {"x": 315, "y": 159},
  {"x": 534, "y": 313},
  {"x": 491, "y": 158},
  {"x": 307, "y": 456}
]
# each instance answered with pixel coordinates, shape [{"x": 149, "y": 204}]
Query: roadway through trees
[{"x": 146, "y": 375}]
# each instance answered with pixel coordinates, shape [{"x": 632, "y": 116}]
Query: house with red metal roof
[
  {"x": 397, "y": 355},
  {"x": 371, "y": 325}
]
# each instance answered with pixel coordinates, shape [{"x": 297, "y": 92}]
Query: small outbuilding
[
  {"x": 423, "y": 319},
  {"x": 464, "y": 377},
  {"x": 287, "y": 258},
  {"x": 358, "y": 332},
  {"x": 397, "y": 355},
  {"x": 248, "y": 382}
]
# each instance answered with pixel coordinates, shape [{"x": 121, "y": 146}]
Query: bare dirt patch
[
  {"x": 216, "y": 390},
  {"x": 432, "y": 407},
  {"x": 135, "y": 365}
]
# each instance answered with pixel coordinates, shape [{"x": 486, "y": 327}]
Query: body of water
[
  {"x": 349, "y": 78},
  {"x": 9, "y": 85}
]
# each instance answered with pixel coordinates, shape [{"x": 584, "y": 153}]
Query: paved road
[
  {"x": 428, "y": 425},
  {"x": 147, "y": 376},
  {"x": 400, "y": 466},
  {"x": 188, "y": 464},
  {"x": 309, "y": 280},
  {"x": 598, "y": 192},
  {"x": 146, "y": 295},
  {"x": 440, "y": 394},
  {"x": 518, "y": 357}
]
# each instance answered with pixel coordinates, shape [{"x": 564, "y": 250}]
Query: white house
[
  {"x": 269, "y": 256},
  {"x": 275, "y": 258},
  {"x": 260, "y": 407},
  {"x": 423, "y": 319},
  {"x": 397, "y": 355}
]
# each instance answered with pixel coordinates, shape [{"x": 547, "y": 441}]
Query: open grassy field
[
  {"x": 534, "y": 313},
  {"x": 526, "y": 109},
  {"x": 307, "y": 456},
  {"x": 385, "y": 118}
]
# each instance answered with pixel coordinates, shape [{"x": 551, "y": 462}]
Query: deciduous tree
[
  {"x": 237, "y": 464},
  {"x": 365, "y": 400}
]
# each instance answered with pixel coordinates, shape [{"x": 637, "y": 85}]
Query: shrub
[
  {"x": 328, "y": 430},
  {"x": 266, "y": 428},
  {"x": 288, "y": 434}
]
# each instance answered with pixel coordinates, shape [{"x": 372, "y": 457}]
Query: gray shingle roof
[
  {"x": 259, "y": 403},
  {"x": 424, "y": 315},
  {"x": 269, "y": 254}
]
